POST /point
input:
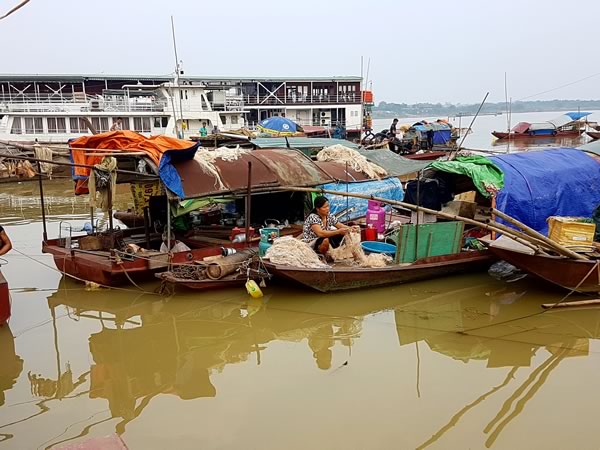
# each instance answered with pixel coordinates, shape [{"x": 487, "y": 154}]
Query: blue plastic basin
[{"x": 378, "y": 247}]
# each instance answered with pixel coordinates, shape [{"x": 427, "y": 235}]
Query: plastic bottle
[{"x": 253, "y": 289}]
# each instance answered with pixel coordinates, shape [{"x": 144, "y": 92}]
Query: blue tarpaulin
[
  {"x": 167, "y": 172},
  {"x": 554, "y": 182},
  {"x": 390, "y": 189}
]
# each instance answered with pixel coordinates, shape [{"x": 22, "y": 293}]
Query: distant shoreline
[{"x": 386, "y": 110}]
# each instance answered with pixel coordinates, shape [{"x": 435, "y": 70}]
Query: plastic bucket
[{"x": 378, "y": 247}]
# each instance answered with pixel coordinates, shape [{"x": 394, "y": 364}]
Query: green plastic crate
[{"x": 434, "y": 239}]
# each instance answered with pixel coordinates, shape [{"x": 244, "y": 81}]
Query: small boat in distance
[
  {"x": 594, "y": 134},
  {"x": 568, "y": 124}
]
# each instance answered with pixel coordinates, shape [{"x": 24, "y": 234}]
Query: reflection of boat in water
[
  {"x": 510, "y": 334},
  {"x": 4, "y": 301},
  {"x": 11, "y": 366}
]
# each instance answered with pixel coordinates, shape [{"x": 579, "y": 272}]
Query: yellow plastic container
[
  {"x": 253, "y": 289},
  {"x": 568, "y": 231}
]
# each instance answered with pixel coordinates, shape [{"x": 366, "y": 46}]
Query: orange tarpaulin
[{"x": 121, "y": 141}]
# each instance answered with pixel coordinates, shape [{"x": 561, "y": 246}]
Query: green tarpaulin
[{"x": 487, "y": 176}]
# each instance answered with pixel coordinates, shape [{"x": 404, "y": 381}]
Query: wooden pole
[
  {"x": 248, "y": 203},
  {"x": 531, "y": 232},
  {"x": 87, "y": 166},
  {"x": 39, "y": 168},
  {"x": 593, "y": 302}
]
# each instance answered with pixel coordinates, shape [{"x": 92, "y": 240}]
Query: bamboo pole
[
  {"x": 515, "y": 235},
  {"x": 531, "y": 232},
  {"x": 593, "y": 302},
  {"x": 87, "y": 166}
]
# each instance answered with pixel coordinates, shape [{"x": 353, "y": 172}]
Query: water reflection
[
  {"x": 145, "y": 347},
  {"x": 520, "y": 145},
  {"x": 506, "y": 334}
]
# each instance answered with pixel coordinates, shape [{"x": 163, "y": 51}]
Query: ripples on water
[{"x": 465, "y": 362}]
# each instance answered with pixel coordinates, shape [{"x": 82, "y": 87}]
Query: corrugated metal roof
[
  {"x": 394, "y": 164},
  {"x": 270, "y": 169},
  {"x": 301, "y": 143}
]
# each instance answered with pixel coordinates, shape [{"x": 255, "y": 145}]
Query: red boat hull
[
  {"x": 341, "y": 278},
  {"x": 578, "y": 275},
  {"x": 505, "y": 135},
  {"x": 4, "y": 300},
  {"x": 101, "y": 268}
]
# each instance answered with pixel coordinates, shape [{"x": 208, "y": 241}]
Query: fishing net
[
  {"x": 344, "y": 155},
  {"x": 290, "y": 251},
  {"x": 351, "y": 251},
  {"x": 206, "y": 159},
  {"x": 293, "y": 252}
]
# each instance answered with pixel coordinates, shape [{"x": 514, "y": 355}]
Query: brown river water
[{"x": 462, "y": 362}]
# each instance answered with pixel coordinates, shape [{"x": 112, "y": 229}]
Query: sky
[{"x": 434, "y": 51}]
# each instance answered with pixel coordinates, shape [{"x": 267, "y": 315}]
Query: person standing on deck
[
  {"x": 117, "y": 125},
  {"x": 392, "y": 135},
  {"x": 203, "y": 131},
  {"x": 5, "y": 244}
]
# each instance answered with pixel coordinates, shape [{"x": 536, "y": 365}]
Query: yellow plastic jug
[{"x": 253, "y": 289}]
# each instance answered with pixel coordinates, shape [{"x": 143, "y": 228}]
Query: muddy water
[{"x": 466, "y": 362}]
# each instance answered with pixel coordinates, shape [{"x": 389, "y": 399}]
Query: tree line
[{"x": 385, "y": 109}]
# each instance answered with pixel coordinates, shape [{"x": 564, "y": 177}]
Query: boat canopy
[
  {"x": 487, "y": 176},
  {"x": 553, "y": 182},
  {"x": 521, "y": 127},
  {"x": 187, "y": 175},
  {"x": 83, "y": 150},
  {"x": 535, "y": 184},
  {"x": 442, "y": 131},
  {"x": 390, "y": 189},
  {"x": 394, "y": 164}
]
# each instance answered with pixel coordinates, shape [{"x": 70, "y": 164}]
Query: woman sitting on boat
[
  {"x": 321, "y": 229},
  {"x": 5, "y": 244}
]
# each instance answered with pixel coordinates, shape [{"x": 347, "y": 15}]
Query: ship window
[
  {"x": 223, "y": 120},
  {"x": 165, "y": 122},
  {"x": 157, "y": 122},
  {"x": 16, "y": 126},
  {"x": 38, "y": 125},
  {"x": 100, "y": 124},
  {"x": 28, "y": 125},
  {"x": 74, "y": 125},
  {"x": 142, "y": 124},
  {"x": 234, "y": 120},
  {"x": 124, "y": 122},
  {"x": 57, "y": 125}
]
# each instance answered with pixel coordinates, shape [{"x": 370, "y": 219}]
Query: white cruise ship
[{"x": 55, "y": 108}]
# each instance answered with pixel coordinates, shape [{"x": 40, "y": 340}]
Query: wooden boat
[
  {"x": 4, "y": 301},
  {"x": 594, "y": 134},
  {"x": 111, "y": 268},
  {"x": 345, "y": 277},
  {"x": 577, "y": 275},
  {"x": 227, "y": 282},
  {"x": 512, "y": 135},
  {"x": 566, "y": 125}
]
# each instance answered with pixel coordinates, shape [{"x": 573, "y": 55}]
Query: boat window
[
  {"x": 16, "y": 126},
  {"x": 224, "y": 120},
  {"x": 157, "y": 122},
  {"x": 52, "y": 125},
  {"x": 234, "y": 120},
  {"x": 165, "y": 122},
  {"x": 125, "y": 123}
]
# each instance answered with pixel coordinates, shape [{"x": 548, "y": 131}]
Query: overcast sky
[{"x": 419, "y": 51}]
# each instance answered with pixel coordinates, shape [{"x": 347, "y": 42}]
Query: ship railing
[{"x": 302, "y": 99}]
